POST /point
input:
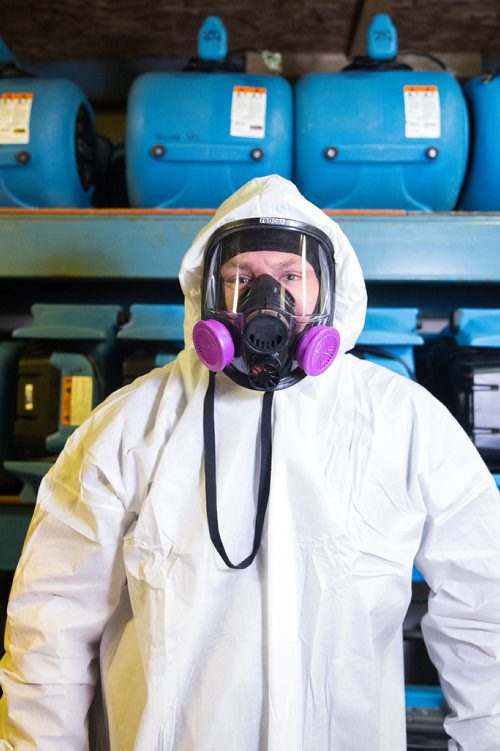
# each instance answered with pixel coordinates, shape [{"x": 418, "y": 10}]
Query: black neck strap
[{"x": 210, "y": 473}]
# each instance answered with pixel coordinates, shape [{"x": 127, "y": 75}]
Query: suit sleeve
[
  {"x": 66, "y": 586},
  {"x": 460, "y": 559}
]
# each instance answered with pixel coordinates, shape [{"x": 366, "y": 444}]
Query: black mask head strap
[{"x": 211, "y": 479}]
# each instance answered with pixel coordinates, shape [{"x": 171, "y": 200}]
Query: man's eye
[
  {"x": 292, "y": 277},
  {"x": 235, "y": 280}
]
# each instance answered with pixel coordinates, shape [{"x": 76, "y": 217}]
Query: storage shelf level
[{"x": 123, "y": 244}]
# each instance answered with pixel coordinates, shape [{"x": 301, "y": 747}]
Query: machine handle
[
  {"x": 206, "y": 152},
  {"x": 381, "y": 152}
]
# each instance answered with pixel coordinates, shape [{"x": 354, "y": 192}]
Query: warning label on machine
[
  {"x": 15, "y": 113},
  {"x": 76, "y": 399},
  {"x": 248, "y": 112},
  {"x": 422, "y": 112}
]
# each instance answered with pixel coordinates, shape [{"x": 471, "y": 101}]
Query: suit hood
[{"x": 274, "y": 196}]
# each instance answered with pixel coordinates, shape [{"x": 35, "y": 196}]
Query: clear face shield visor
[{"x": 275, "y": 267}]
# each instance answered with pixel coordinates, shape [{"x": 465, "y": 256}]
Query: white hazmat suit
[{"x": 303, "y": 649}]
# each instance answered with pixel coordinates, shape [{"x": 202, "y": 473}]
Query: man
[{"x": 233, "y": 547}]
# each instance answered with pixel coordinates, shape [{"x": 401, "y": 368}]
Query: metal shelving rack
[{"x": 393, "y": 246}]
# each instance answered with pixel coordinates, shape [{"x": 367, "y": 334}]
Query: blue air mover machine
[
  {"x": 152, "y": 338},
  {"x": 482, "y": 184},
  {"x": 64, "y": 372},
  {"x": 29, "y": 474},
  {"x": 378, "y": 135},
  {"x": 194, "y": 137},
  {"x": 464, "y": 373},
  {"x": 47, "y": 141}
]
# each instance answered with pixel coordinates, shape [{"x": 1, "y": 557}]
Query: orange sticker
[
  {"x": 420, "y": 88},
  {"x": 250, "y": 89},
  {"x": 66, "y": 401},
  {"x": 17, "y": 95}
]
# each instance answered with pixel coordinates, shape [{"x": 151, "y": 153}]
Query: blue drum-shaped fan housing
[
  {"x": 390, "y": 139},
  {"x": 47, "y": 144},
  {"x": 193, "y": 138},
  {"x": 482, "y": 185}
]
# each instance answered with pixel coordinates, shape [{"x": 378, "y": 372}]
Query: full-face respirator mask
[{"x": 268, "y": 296}]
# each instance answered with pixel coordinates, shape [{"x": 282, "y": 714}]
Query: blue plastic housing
[
  {"x": 179, "y": 149},
  {"x": 424, "y": 696},
  {"x": 89, "y": 332},
  {"x": 30, "y": 474},
  {"x": 482, "y": 185},
  {"x": 43, "y": 173},
  {"x": 352, "y": 149},
  {"x": 382, "y": 38},
  {"x": 212, "y": 39},
  {"x": 74, "y": 365},
  {"x": 388, "y": 338},
  {"x": 478, "y": 327},
  {"x": 154, "y": 335},
  {"x": 154, "y": 323}
]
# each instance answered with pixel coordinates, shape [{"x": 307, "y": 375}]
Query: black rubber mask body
[{"x": 268, "y": 331}]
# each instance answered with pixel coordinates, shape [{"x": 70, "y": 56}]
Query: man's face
[{"x": 289, "y": 269}]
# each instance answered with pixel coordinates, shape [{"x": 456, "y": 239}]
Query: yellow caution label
[
  {"x": 15, "y": 115},
  {"x": 76, "y": 399}
]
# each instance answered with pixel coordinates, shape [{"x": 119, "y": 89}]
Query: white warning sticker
[
  {"x": 15, "y": 114},
  {"x": 422, "y": 112},
  {"x": 248, "y": 112},
  {"x": 76, "y": 399}
]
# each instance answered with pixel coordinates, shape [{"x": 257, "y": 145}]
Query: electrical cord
[{"x": 419, "y": 53}]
